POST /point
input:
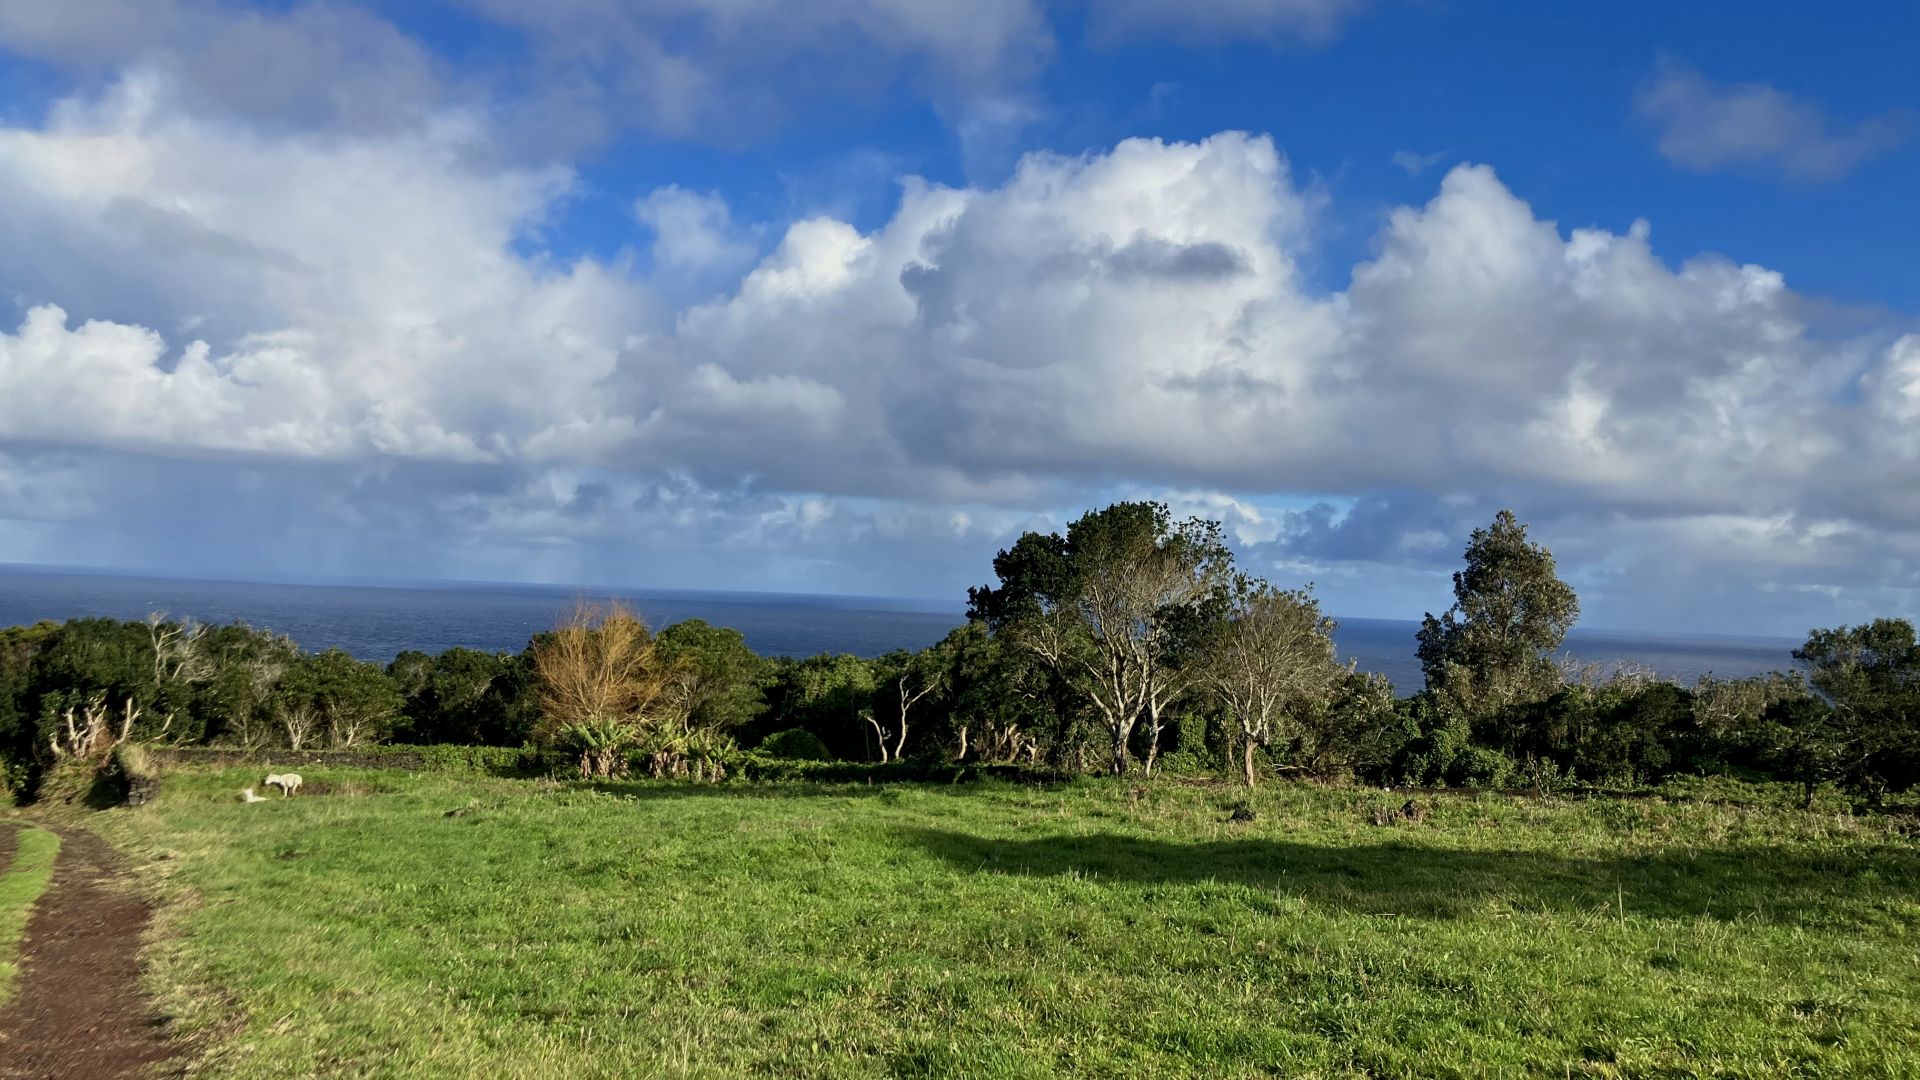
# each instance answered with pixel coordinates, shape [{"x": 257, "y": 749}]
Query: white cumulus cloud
[{"x": 356, "y": 337}]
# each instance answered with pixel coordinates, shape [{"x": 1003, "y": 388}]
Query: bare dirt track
[{"x": 77, "y": 1009}]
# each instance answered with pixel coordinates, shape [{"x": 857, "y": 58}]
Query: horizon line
[{"x": 926, "y": 603}]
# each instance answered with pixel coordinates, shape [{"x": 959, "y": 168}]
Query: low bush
[
  {"x": 16, "y": 782},
  {"x": 757, "y": 765},
  {"x": 131, "y": 774},
  {"x": 1183, "y": 762},
  {"x": 507, "y": 761},
  {"x": 686, "y": 755},
  {"x": 798, "y": 744},
  {"x": 1479, "y": 767}
]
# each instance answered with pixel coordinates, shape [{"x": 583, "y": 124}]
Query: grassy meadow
[
  {"x": 1096, "y": 929},
  {"x": 24, "y": 874}
]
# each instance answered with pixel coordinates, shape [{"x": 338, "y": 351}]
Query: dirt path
[
  {"x": 77, "y": 1009},
  {"x": 9, "y": 837}
]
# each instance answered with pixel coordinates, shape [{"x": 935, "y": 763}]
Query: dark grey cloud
[
  {"x": 1152, "y": 256},
  {"x": 1411, "y": 528}
]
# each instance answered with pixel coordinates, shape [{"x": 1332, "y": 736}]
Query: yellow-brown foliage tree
[{"x": 603, "y": 687}]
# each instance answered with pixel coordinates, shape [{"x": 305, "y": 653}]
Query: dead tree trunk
[
  {"x": 1154, "y": 728},
  {"x": 880, "y": 734}
]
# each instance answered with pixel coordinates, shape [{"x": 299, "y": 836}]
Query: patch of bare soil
[{"x": 77, "y": 1009}]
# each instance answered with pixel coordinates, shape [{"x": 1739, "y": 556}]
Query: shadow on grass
[
  {"x": 854, "y": 786},
  {"x": 675, "y": 789},
  {"x": 1796, "y": 888}
]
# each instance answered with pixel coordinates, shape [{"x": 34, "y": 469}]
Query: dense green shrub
[
  {"x": 492, "y": 760},
  {"x": 1479, "y": 767},
  {"x": 1431, "y": 735},
  {"x": 796, "y": 743},
  {"x": 760, "y": 766},
  {"x": 1185, "y": 761},
  {"x": 464, "y": 696},
  {"x": 689, "y": 754},
  {"x": 1541, "y": 776}
]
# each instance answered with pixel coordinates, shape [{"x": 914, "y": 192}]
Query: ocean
[{"x": 374, "y": 622}]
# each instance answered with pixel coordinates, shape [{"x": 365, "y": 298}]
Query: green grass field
[
  {"x": 22, "y": 880},
  {"x": 1096, "y": 929}
]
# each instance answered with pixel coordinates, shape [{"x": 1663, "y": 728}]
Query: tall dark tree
[
  {"x": 828, "y": 695},
  {"x": 1870, "y": 739},
  {"x": 464, "y": 696},
  {"x": 1494, "y": 647},
  {"x": 999, "y": 702}
]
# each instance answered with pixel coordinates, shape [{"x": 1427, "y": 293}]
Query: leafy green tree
[
  {"x": 236, "y": 702},
  {"x": 101, "y": 668},
  {"x": 1271, "y": 663},
  {"x": 1870, "y": 739},
  {"x": 411, "y": 672},
  {"x": 352, "y": 701},
  {"x": 724, "y": 681},
  {"x": 998, "y": 702},
  {"x": 1355, "y": 730},
  {"x": 1621, "y": 731},
  {"x": 1806, "y": 743},
  {"x": 89, "y": 656},
  {"x": 904, "y": 680},
  {"x": 464, "y": 696},
  {"x": 21, "y": 648},
  {"x": 1436, "y": 747},
  {"x": 1117, "y": 608},
  {"x": 181, "y": 664},
  {"x": 1494, "y": 647},
  {"x": 1731, "y": 727},
  {"x": 825, "y": 694}
]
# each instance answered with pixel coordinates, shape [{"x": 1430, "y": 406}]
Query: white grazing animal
[
  {"x": 247, "y": 795},
  {"x": 288, "y": 783}
]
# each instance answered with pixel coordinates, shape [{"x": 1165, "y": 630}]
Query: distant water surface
[
  {"x": 376, "y": 622},
  {"x": 1388, "y": 647}
]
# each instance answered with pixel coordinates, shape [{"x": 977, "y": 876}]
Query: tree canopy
[
  {"x": 1494, "y": 647},
  {"x": 1118, "y": 607}
]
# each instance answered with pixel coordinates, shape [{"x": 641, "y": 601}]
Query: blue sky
[
  {"x": 1542, "y": 92},
  {"x": 842, "y": 296}
]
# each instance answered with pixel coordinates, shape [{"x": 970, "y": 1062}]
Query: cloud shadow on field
[
  {"x": 1399, "y": 878},
  {"x": 650, "y": 790}
]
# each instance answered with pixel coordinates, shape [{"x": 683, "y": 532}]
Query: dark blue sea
[{"x": 374, "y": 622}]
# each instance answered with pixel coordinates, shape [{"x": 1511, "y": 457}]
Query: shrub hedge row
[{"x": 524, "y": 762}]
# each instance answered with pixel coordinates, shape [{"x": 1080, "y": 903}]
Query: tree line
[{"x": 1130, "y": 641}]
